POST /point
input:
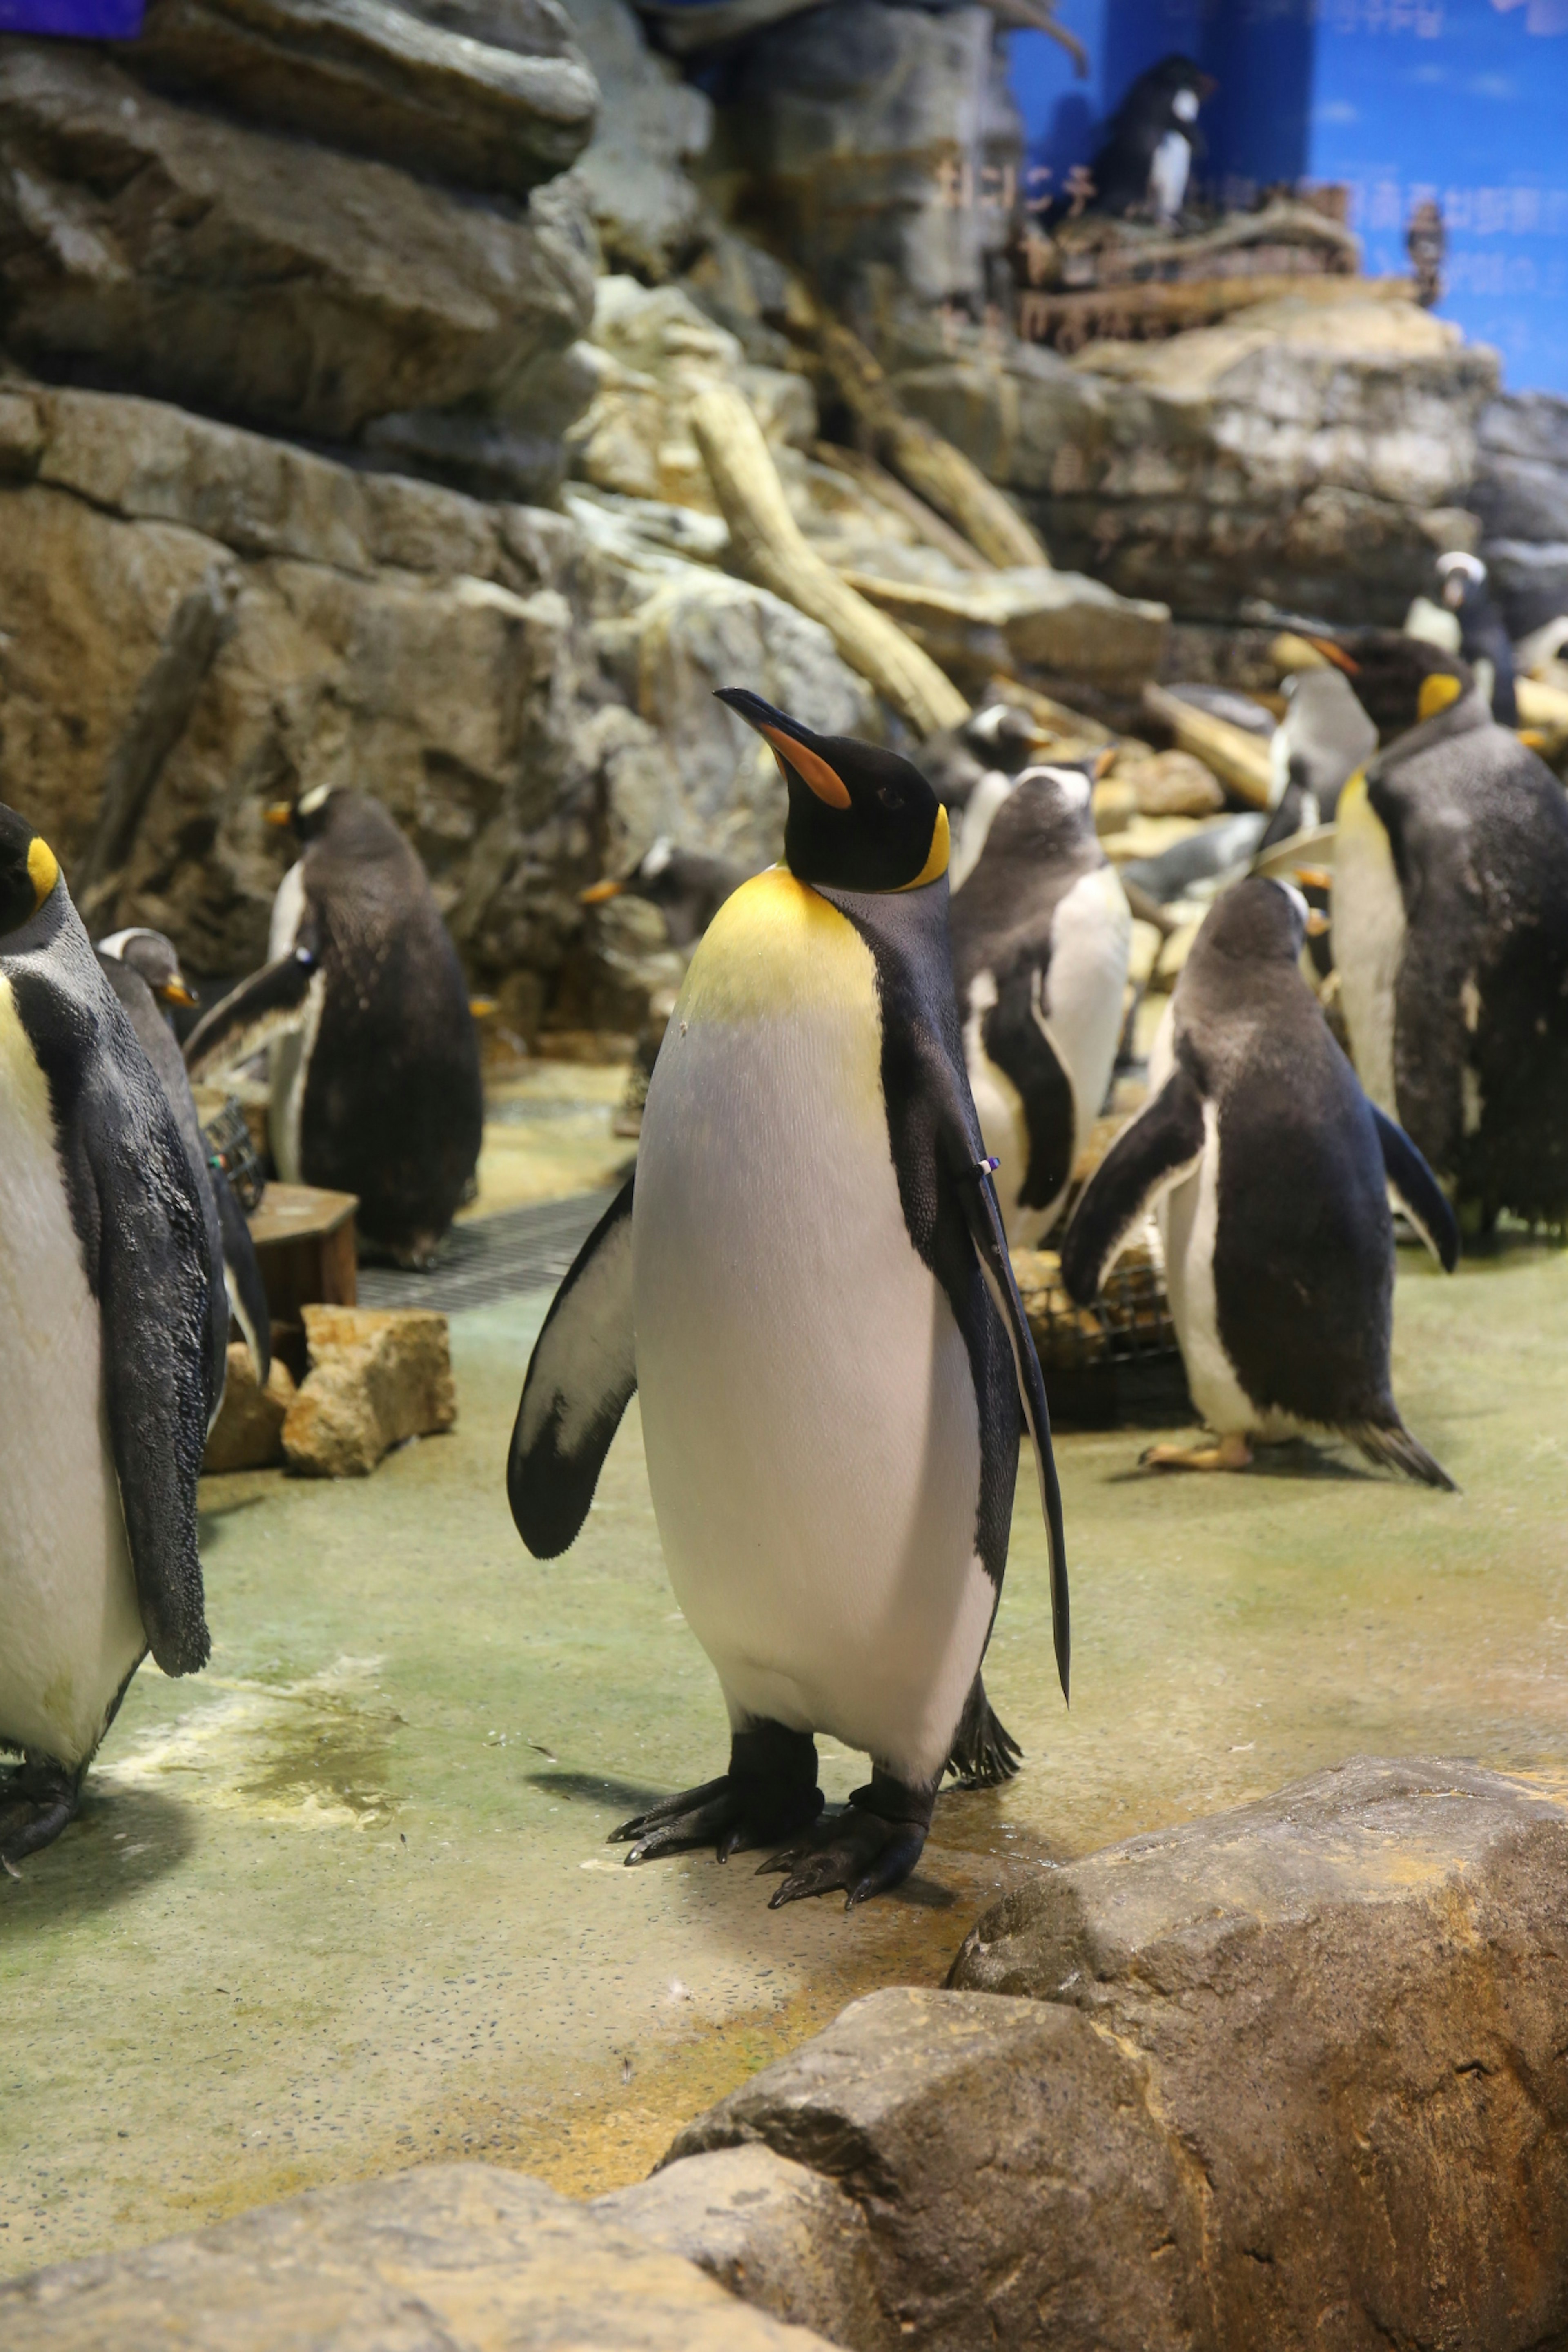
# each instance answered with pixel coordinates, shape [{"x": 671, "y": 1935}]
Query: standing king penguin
[
  {"x": 104, "y": 1340},
  {"x": 808, "y": 1281},
  {"x": 1269, "y": 1173},
  {"x": 375, "y": 1077},
  {"x": 1041, "y": 936}
]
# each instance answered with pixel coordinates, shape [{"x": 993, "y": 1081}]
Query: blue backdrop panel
[{"x": 82, "y": 20}]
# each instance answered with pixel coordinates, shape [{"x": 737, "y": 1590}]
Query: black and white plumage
[
  {"x": 1041, "y": 935},
  {"x": 143, "y": 970},
  {"x": 1270, "y": 1173},
  {"x": 1484, "y": 641},
  {"x": 105, "y": 1355},
  {"x": 1450, "y": 930},
  {"x": 686, "y": 886},
  {"x": 972, "y": 769},
  {"x": 809, "y": 1283},
  {"x": 375, "y": 1077},
  {"x": 1324, "y": 737},
  {"x": 1145, "y": 164}
]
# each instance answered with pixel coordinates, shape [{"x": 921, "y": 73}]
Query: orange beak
[
  {"x": 1314, "y": 877},
  {"x": 280, "y": 813},
  {"x": 1317, "y": 922},
  {"x": 174, "y": 992},
  {"x": 599, "y": 894},
  {"x": 1335, "y": 653}
]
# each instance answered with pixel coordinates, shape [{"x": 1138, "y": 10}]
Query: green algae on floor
[{"x": 343, "y": 1903}]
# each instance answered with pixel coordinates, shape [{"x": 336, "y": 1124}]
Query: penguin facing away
[
  {"x": 808, "y": 1282},
  {"x": 376, "y": 1088},
  {"x": 143, "y": 970},
  {"x": 104, "y": 1352},
  {"x": 1041, "y": 937},
  {"x": 1269, "y": 1173},
  {"x": 688, "y": 888},
  {"x": 1450, "y": 931}
]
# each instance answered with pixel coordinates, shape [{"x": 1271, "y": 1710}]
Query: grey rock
[
  {"x": 463, "y": 2257},
  {"x": 774, "y": 2233},
  {"x": 1531, "y": 424},
  {"x": 157, "y": 246},
  {"x": 380, "y": 80},
  {"x": 1521, "y": 498},
  {"x": 651, "y": 127},
  {"x": 1530, "y": 579}
]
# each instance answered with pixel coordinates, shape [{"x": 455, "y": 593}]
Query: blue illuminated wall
[{"x": 1465, "y": 100}]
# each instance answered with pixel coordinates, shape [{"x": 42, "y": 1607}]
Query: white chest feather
[
  {"x": 979, "y": 815},
  {"x": 1168, "y": 173},
  {"x": 1369, "y": 940},
  {"x": 808, "y": 1411},
  {"x": 1091, "y": 940},
  {"x": 69, "y": 1628}
]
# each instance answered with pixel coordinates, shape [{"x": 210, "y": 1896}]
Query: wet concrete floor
[{"x": 343, "y": 1903}]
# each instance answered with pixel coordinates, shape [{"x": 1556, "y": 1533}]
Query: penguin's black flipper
[
  {"x": 1018, "y": 1045},
  {"x": 1163, "y": 1144},
  {"x": 580, "y": 1380},
  {"x": 266, "y": 1005},
  {"x": 246, "y": 1291},
  {"x": 1416, "y": 1191}
]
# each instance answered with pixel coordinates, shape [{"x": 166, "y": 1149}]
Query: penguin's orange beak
[
  {"x": 1317, "y": 923},
  {"x": 1335, "y": 653},
  {"x": 599, "y": 892},
  {"x": 280, "y": 813},
  {"x": 1314, "y": 877},
  {"x": 174, "y": 992}
]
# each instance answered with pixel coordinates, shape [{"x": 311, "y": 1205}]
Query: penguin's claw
[
  {"x": 1232, "y": 1452},
  {"x": 28, "y": 1820},
  {"x": 728, "y": 1814},
  {"x": 857, "y": 1850}
]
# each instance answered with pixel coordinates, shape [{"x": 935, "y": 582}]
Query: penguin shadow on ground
[{"x": 121, "y": 1843}]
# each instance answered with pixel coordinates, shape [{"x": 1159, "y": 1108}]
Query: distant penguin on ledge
[{"x": 1145, "y": 165}]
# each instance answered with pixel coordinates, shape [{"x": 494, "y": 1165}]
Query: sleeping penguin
[
  {"x": 375, "y": 1059},
  {"x": 1483, "y": 638},
  {"x": 1269, "y": 1173},
  {"x": 1146, "y": 162},
  {"x": 105, "y": 1346},
  {"x": 808, "y": 1282},
  {"x": 1324, "y": 737},
  {"x": 1041, "y": 936},
  {"x": 1450, "y": 931}
]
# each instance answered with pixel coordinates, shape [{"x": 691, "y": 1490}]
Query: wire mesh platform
[
  {"x": 1115, "y": 1364},
  {"x": 492, "y": 1258}
]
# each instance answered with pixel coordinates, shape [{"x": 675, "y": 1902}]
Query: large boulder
[
  {"x": 1289, "y": 2076},
  {"x": 1520, "y": 494},
  {"x": 378, "y": 1377},
  {"x": 651, "y": 126}
]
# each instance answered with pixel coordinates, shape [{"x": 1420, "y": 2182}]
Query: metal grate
[{"x": 493, "y": 1259}]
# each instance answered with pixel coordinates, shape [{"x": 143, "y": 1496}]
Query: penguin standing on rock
[
  {"x": 1269, "y": 1173},
  {"x": 1041, "y": 936},
  {"x": 1146, "y": 162},
  {"x": 808, "y": 1281},
  {"x": 105, "y": 1353},
  {"x": 375, "y": 1061}
]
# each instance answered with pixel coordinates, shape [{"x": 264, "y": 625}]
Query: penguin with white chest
[
  {"x": 376, "y": 1088},
  {"x": 1041, "y": 937},
  {"x": 104, "y": 1355},
  {"x": 808, "y": 1282},
  {"x": 1271, "y": 1173}
]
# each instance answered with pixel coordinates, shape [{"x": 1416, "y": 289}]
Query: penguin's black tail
[
  {"x": 984, "y": 1752},
  {"x": 1390, "y": 1445}
]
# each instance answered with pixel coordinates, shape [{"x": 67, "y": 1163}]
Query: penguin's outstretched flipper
[
  {"x": 984, "y": 1752},
  {"x": 246, "y": 1291},
  {"x": 580, "y": 1380},
  {"x": 267, "y": 1005},
  {"x": 1163, "y": 1145},
  {"x": 1416, "y": 1191}
]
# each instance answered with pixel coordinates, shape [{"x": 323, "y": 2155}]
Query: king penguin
[
  {"x": 1324, "y": 737},
  {"x": 808, "y": 1281},
  {"x": 1041, "y": 937},
  {"x": 1450, "y": 931},
  {"x": 375, "y": 1077},
  {"x": 143, "y": 970},
  {"x": 1269, "y": 1173},
  {"x": 105, "y": 1346}
]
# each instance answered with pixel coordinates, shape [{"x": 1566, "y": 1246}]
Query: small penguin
[
  {"x": 143, "y": 971},
  {"x": 1484, "y": 640},
  {"x": 686, "y": 888},
  {"x": 1269, "y": 1173},
  {"x": 1146, "y": 162},
  {"x": 998, "y": 742},
  {"x": 105, "y": 1346},
  {"x": 808, "y": 1282},
  {"x": 375, "y": 1059},
  {"x": 1041, "y": 936},
  {"x": 1324, "y": 737},
  {"x": 1450, "y": 931}
]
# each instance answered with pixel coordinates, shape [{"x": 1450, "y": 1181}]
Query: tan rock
[
  {"x": 1175, "y": 783},
  {"x": 377, "y": 1376},
  {"x": 249, "y": 1432}
]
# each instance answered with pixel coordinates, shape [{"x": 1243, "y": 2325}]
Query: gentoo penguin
[
  {"x": 1450, "y": 930},
  {"x": 1483, "y": 638},
  {"x": 1199, "y": 859},
  {"x": 808, "y": 1281},
  {"x": 973, "y": 769},
  {"x": 1041, "y": 935},
  {"x": 143, "y": 971},
  {"x": 375, "y": 1058},
  {"x": 1146, "y": 162},
  {"x": 104, "y": 1341},
  {"x": 686, "y": 888},
  {"x": 1324, "y": 737},
  {"x": 1269, "y": 1173}
]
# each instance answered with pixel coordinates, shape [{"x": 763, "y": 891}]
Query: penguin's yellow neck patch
[
  {"x": 935, "y": 866},
  {"x": 774, "y": 950},
  {"x": 1436, "y": 694},
  {"x": 43, "y": 870}
]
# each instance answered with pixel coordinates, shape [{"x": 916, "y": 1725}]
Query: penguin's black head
[
  {"x": 1049, "y": 813},
  {"x": 307, "y": 814},
  {"x": 860, "y": 818},
  {"x": 1399, "y": 680},
  {"x": 155, "y": 959},
  {"x": 28, "y": 871},
  {"x": 1462, "y": 582},
  {"x": 1261, "y": 920}
]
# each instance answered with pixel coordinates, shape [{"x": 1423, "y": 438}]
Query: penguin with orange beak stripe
[{"x": 808, "y": 1282}]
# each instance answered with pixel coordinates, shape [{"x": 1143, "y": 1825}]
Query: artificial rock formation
[
  {"x": 378, "y": 1377},
  {"x": 1520, "y": 494},
  {"x": 249, "y": 1432}
]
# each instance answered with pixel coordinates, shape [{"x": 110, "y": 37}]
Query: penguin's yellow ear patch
[
  {"x": 1436, "y": 694},
  {"x": 43, "y": 870},
  {"x": 935, "y": 866},
  {"x": 809, "y": 766}
]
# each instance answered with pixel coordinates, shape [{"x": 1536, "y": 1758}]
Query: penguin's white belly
[
  {"x": 1369, "y": 926},
  {"x": 70, "y": 1630},
  {"x": 808, "y": 1411},
  {"x": 1168, "y": 175},
  {"x": 1092, "y": 940},
  {"x": 1000, "y": 1108}
]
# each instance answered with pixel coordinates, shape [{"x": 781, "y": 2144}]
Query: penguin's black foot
[
  {"x": 38, "y": 1798},
  {"x": 769, "y": 1791},
  {"x": 868, "y": 1849},
  {"x": 984, "y": 1752}
]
